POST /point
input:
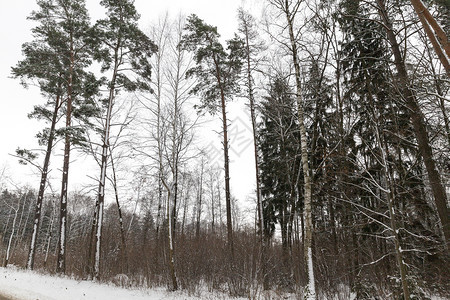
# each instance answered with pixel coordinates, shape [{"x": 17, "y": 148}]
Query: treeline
[{"x": 349, "y": 111}]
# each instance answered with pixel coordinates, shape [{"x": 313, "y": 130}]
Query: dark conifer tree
[
  {"x": 55, "y": 60},
  {"x": 280, "y": 160}
]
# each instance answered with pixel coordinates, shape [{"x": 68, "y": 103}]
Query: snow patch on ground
[{"x": 18, "y": 284}]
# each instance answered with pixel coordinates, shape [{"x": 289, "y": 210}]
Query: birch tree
[
  {"x": 14, "y": 208},
  {"x": 289, "y": 10}
]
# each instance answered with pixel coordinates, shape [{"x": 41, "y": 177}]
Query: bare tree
[{"x": 252, "y": 47}]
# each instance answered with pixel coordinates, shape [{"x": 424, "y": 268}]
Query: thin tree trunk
[
  {"x": 227, "y": 177},
  {"x": 49, "y": 239},
  {"x": 25, "y": 227},
  {"x": 389, "y": 191},
  {"x": 123, "y": 249},
  {"x": 220, "y": 208},
  {"x": 11, "y": 237},
  {"x": 199, "y": 202},
  {"x": 185, "y": 205},
  {"x": 104, "y": 161},
  {"x": 158, "y": 215},
  {"x": 90, "y": 260},
  {"x": 171, "y": 244},
  {"x": 20, "y": 220},
  {"x": 226, "y": 161},
  {"x": 212, "y": 204},
  {"x": 255, "y": 146},
  {"x": 49, "y": 234}
]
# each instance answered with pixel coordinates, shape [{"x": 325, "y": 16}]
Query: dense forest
[{"x": 348, "y": 105}]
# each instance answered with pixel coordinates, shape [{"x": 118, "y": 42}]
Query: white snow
[{"x": 18, "y": 284}]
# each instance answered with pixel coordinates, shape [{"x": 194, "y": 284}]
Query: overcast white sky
[{"x": 16, "y": 102}]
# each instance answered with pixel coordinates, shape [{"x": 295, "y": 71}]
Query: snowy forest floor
[{"x": 18, "y": 284}]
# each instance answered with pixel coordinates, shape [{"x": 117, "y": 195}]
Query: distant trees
[{"x": 14, "y": 208}]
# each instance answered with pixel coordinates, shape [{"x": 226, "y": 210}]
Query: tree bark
[{"x": 123, "y": 249}]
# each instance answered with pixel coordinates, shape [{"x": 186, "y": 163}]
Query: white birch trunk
[
  {"x": 310, "y": 292},
  {"x": 11, "y": 237}
]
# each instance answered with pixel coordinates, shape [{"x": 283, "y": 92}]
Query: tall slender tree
[
  {"x": 65, "y": 30},
  {"x": 47, "y": 62},
  {"x": 41, "y": 65},
  {"x": 289, "y": 10},
  {"x": 217, "y": 70},
  {"x": 247, "y": 27},
  {"x": 125, "y": 49}
]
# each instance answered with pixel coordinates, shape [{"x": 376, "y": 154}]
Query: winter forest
[{"x": 348, "y": 106}]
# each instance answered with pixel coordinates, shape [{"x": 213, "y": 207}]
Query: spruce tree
[{"x": 280, "y": 164}]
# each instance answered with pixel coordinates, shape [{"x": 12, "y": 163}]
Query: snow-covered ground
[{"x": 17, "y": 284}]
